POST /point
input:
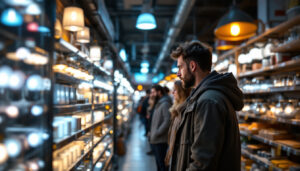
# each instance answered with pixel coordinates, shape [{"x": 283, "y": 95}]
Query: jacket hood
[{"x": 225, "y": 83}]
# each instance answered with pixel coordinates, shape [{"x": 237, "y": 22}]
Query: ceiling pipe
[{"x": 183, "y": 11}]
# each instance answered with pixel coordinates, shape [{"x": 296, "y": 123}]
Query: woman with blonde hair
[{"x": 180, "y": 95}]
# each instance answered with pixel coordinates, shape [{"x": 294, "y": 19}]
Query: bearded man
[{"x": 207, "y": 138}]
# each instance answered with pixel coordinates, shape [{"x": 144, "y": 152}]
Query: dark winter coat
[
  {"x": 208, "y": 136},
  {"x": 160, "y": 121}
]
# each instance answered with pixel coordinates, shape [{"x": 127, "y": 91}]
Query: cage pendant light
[
  {"x": 236, "y": 25},
  {"x": 73, "y": 19}
]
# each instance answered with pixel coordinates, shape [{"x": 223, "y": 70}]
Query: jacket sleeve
[
  {"x": 164, "y": 126},
  {"x": 208, "y": 129}
]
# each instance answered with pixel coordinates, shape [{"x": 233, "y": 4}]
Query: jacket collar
[{"x": 201, "y": 87}]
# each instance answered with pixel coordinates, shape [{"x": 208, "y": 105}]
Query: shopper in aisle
[
  {"x": 208, "y": 135},
  {"x": 180, "y": 94},
  {"x": 143, "y": 113},
  {"x": 160, "y": 125},
  {"x": 152, "y": 102}
]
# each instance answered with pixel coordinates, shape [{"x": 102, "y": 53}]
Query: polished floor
[{"x": 137, "y": 146}]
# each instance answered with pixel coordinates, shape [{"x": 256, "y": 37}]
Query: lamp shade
[
  {"x": 83, "y": 36},
  {"x": 146, "y": 21},
  {"x": 73, "y": 19},
  {"x": 226, "y": 45},
  {"x": 236, "y": 25}
]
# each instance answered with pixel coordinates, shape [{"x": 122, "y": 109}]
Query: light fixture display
[
  {"x": 11, "y": 17},
  {"x": 73, "y": 19},
  {"x": 236, "y": 25},
  {"x": 146, "y": 21},
  {"x": 95, "y": 53},
  {"x": 123, "y": 55},
  {"x": 33, "y": 9},
  {"x": 83, "y": 36}
]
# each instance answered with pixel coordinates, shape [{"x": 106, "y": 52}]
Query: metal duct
[{"x": 179, "y": 19}]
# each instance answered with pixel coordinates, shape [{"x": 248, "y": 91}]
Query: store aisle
[{"x": 137, "y": 146}]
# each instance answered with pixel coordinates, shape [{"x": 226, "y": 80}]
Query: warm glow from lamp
[
  {"x": 235, "y": 25},
  {"x": 235, "y": 29},
  {"x": 140, "y": 87},
  {"x": 146, "y": 21},
  {"x": 73, "y": 19},
  {"x": 58, "y": 29},
  {"x": 83, "y": 36}
]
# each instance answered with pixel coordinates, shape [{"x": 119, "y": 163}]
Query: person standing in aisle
[
  {"x": 159, "y": 126},
  {"x": 208, "y": 137},
  {"x": 143, "y": 114},
  {"x": 180, "y": 94}
]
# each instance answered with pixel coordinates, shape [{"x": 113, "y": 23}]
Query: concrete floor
[{"x": 137, "y": 146}]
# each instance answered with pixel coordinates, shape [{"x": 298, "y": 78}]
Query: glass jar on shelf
[
  {"x": 279, "y": 108},
  {"x": 289, "y": 109},
  {"x": 297, "y": 79},
  {"x": 289, "y": 80}
]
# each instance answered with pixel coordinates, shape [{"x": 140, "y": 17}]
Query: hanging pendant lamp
[
  {"x": 236, "y": 25},
  {"x": 73, "y": 19},
  {"x": 146, "y": 21},
  {"x": 226, "y": 45}
]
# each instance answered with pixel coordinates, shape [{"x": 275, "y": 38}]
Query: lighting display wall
[{"x": 26, "y": 44}]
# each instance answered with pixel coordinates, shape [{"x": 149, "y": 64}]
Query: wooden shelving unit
[
  {"x": 295, "y": 122},
  {"x": 273, "y": 143},
  {"x": 273, "y": 90},
  {"x": 292, "y": 65},
  {"x": 293, "y": 46}
]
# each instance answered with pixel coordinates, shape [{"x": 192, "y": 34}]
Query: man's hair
[
  {"x": 157, "y": 87},
  {"x": 166, "y": 89},
  {"x": 148, "y": 91},
  {"x": 195, "y": 51}
]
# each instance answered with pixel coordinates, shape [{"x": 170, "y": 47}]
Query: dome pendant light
[
  {"x": 236, "y": 25},
  {"x": 146, "y": 21}
]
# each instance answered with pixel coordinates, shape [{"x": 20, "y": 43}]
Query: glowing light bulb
[
  {"x": 5, "y": 73},
  {"x": 99, "y": 165},
  {"x": 16, "y": 80},
  {"x": 235, "y": 29},
  {"x": 22, "y": 52},
  {"x": 12, "y": 111},
  {"x": 14, "y": 147},
  {"x": 37, "y": 110},
  {"x": 34, "y": 83},
  {"x": 33, "y": 9},
  {"x": 34, "y": 139},
  {"x": 3, "y": 154},
  {"x": 288, "y": 110}
]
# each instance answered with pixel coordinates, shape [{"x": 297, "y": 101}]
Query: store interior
[{"x": 72, "y": 73}]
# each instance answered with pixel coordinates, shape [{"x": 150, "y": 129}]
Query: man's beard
[{"x": 190, "y": 80}]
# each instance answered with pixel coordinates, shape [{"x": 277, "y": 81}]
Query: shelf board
[
  {"x": 261, "y": 160},
  {"x": 293, "y": 46},
  {"x": 70, "y": 109},
  {"x": 61, "y": 143},
  {"x": 272, "y": 143},
  {"x": 100, "y": 156},
  {"x": 272, "y": 31},
  {"x": 275, "y": 90},
  {"x": 108, "y": 162},
  {"x": 66, "y": 79},
  {"x": 270, "y": 119},
  {"x": 291, "y": 65},
  {"x": 74, "y": 165},
  {"x": 66, "y": 47}
]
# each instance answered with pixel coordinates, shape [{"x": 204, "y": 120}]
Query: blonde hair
[{"x": 182, "y": 94}]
